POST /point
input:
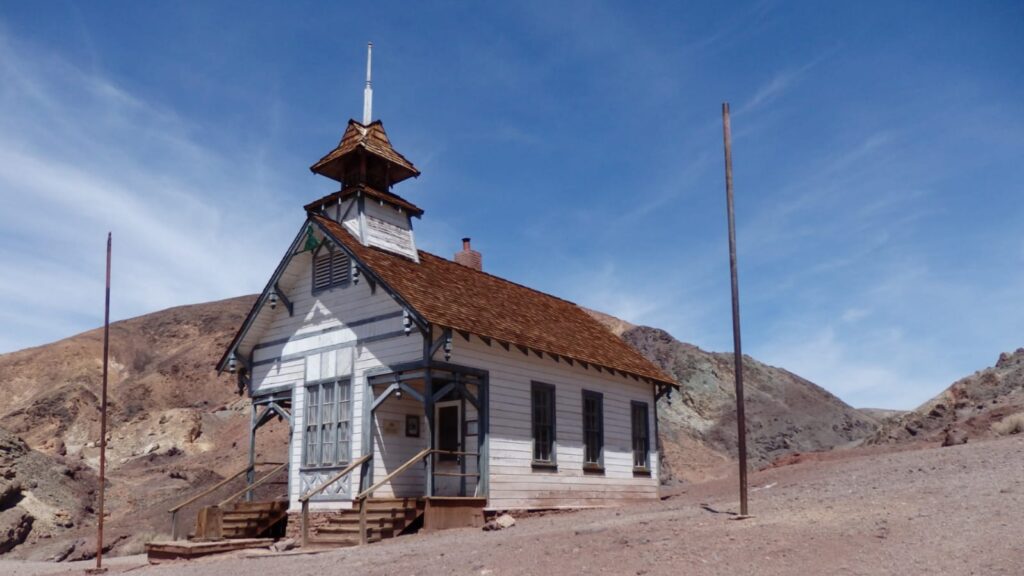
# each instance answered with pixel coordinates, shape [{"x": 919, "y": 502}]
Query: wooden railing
[
  {"x": 174, "y": 511},
  {"x": 366, "y": 494},
  {"x": 304, "y": 499},
  {"x": 254, "y": 485}
]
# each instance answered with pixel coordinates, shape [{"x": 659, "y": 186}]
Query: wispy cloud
[{"x": 80, "y": 155}]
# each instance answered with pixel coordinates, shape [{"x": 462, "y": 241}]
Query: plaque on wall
[
  {"x": 412, "y": 425},
  {"x": 390, "y": 426}
]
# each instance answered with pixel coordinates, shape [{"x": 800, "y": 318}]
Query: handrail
[
  {"x": 408, "y": 463},
  {"x": 365, "y": 494},
  {"x": 252, "y": 486},
  {"x": 174, "y": 511},
  {"x": 344, "y": 472},
  {"x": 219, "y": 484},
  {"x": 304, "y": 499}
]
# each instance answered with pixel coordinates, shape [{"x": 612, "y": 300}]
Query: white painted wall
[
  {"x": 514, "y": 484},
  {"x": 389, "y": 229},
  {"x": 321, "y": 325}
]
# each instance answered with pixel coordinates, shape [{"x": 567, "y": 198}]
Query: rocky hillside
[
  {"x": 986, "y": 403},
  {"x": 785, "y": 413},
  {"x": 174, "y": 428},
  {"x": 40, "y": 496}
]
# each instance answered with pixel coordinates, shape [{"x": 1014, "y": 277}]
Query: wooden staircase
[
  {"x": 254, "y": 519},
  {"x": 385, "y": 518}
]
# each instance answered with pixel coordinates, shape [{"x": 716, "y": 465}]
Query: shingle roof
[
  {"x": 372, "y": 138},
  {"x": 454, "y": 296},
  {"x": 389, "y": 197}
]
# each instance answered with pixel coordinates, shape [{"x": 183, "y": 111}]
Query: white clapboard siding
[
  {"x": 389, "y": 229},
  {"x": 392, "y": 447},
  {"x": 319, "y": 326},
  {"x": 514, "y": 484}
]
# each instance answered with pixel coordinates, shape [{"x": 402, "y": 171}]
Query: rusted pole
[
  {"x": 741, "y": 419},
  {"x": 103, "y": 417}
]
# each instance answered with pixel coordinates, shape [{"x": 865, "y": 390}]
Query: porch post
[
  {"x": 250, "y": 474},
  {"x": 483, "y": 463},
  {"x": 366, "y": 474},
  {"x": 428, "y": 407},
  {"x": 462, "y": 435}
]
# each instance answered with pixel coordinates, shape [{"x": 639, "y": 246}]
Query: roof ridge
[{"x": 496, "y": 277}]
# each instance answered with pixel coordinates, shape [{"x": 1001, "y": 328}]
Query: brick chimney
[{"x": 469, "y": 257}]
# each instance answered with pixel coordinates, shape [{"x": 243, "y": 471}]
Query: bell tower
[{"x": 366, "y": 166}]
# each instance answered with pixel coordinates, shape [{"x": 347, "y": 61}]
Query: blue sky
[{"x": 878, "y": 155}]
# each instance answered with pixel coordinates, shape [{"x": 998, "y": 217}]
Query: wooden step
[
  {"x": 340, "y": 540},
  {"x": 160, "y": 551},
  {"x": 371, "y": 519},
  {"x": 273, "y": 505},
  {"x": 247, "y": 516},
  {"x": 386, "y": 532}
]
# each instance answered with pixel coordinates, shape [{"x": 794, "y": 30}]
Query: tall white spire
[{"x": 368, "y": 91}]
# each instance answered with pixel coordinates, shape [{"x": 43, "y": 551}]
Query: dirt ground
[{"x": 954, "y": 510}]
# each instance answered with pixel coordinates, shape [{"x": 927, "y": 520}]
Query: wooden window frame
[
  {"x": 645, "y": 469},
  {"x": 598, "y": 398},
  {"x": 340, "y": 277},
  {"x": 314, "y": 424},
  {"x": 552, "y": 462}
]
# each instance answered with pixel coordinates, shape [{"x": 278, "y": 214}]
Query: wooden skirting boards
[{"x": 442, "y": 513}]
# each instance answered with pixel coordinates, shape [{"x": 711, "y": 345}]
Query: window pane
[
  {"x": 641, "y": 445},
  {"x": 543, "y": 422}
]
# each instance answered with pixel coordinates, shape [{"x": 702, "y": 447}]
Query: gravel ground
[{"x": 953, "y": 510}]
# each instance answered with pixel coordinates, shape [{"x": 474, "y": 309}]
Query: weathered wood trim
[
  {"x": 348, "y": 344},
  {"x": 283, "y": 298},
  {"x": 370, "y": 274},
  {"x": 321, "y": 332},
  {"x": 256, "y": 307}
]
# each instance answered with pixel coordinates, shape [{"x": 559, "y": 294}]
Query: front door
[{"x": 448, "y": 435}]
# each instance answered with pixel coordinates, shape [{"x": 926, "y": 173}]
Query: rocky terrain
[
  {"x": 879, "y": 511},
  {"x": 785, "y": 413},
  {"x": 40, "y": 495},
  {"x": 174, "y": 427},
  {"x": 987, "y": 403}
]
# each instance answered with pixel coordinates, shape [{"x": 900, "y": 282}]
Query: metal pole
[
  {"x": 741, "y": 419},
  {"x": 103, "y": 416}
]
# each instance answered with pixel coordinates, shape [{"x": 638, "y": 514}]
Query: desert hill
[
  {"x": 785, "y": 413},
  {"x": 174, "y": 425},
  {"x": 986, "y": 403}
]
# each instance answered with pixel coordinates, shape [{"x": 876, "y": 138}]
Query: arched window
[{"x": 331, "y": 267}]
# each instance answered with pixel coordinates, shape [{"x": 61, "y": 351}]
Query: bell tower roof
[{"x": 365, "y": 155}]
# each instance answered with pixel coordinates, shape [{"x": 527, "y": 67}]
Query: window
[
  {"x": 328, "y": 424},
  {"x": 641, "y": 439},
  {"x": 593, "y": 430},
  {"x": 330, "y": 268},
  {"x": 543, "y": 410}
]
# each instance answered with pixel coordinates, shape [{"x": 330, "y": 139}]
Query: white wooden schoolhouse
[{"x": 423, "y": 389}]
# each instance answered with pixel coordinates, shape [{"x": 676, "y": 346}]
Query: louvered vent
[
  {"x": 330, "y": 268},
  {"x": 322, "y": 271},
  {"x": 339, "y": 268}
]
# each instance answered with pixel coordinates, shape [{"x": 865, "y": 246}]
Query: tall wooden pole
[
  {"x": 741, "y": 418},
  {"x": 103, "y": 417}
]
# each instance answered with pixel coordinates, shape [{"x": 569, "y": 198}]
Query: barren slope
[
  {"x": 969, "y": 406},
  {"x": 860, "y": 513},
  {"x": 785, "y": 413},
  {"x": 174, "y": 426}
]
